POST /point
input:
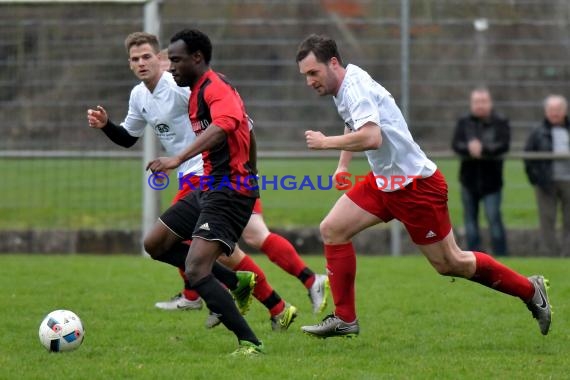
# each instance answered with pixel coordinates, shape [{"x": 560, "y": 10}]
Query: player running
[
  {"x": 159, "y": 102},
  {"x": 403, "y": 184}
]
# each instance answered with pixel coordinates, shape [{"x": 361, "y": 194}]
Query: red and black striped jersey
[{"x": 214, "y": 101}]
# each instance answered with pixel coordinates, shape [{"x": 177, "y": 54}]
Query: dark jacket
[
  {"x": 482, "y": 176},
  {"x": 539, "y": 172}
]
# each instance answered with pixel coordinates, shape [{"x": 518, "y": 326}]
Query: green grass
[
  {"x": 106, "y": 193},
  {"x": 414, "y": 325}
]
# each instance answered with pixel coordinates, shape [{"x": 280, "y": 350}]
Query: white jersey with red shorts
[{"x": 404, "y": 184}]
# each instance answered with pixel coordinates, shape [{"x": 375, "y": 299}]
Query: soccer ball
[{"x": 61, "y": 330}]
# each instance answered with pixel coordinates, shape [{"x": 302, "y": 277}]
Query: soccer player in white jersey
[
  {"x": 159, "y": 102},
  {"x": 403, "y": 184}
]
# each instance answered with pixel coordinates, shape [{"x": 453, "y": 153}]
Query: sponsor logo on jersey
[{"x": 162, "y": 128}]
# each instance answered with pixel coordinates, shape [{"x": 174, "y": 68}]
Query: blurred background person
[
  {"x": 481, "y": 138},
  {"x": 551, "y": 178}
]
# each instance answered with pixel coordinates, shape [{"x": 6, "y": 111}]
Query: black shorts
[{"x": 210, "y": 215}]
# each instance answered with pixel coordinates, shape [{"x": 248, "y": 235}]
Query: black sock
[
  {"x": 220, "y": 302},
  {"x": 271, "y": 301},
  {"x": 305, "y": 274},
  {"x": 225, "y": 275},
  {"x": 175, "y": 256}
]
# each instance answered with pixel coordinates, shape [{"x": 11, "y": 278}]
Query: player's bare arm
[
  {"x": 343, "y": 163},
  {"x": 345, "y": 156},
  {"x": 368, "y": 137},
  {"x": 207, "y": 140}
]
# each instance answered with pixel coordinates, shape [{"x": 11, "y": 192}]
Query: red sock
[
  {"x": 189, "y": 294},
  {"x": 278, "y": 308},
  {"x": 262, "y": 291},
  {"x": 341, "y": 269},
  {"x": 491, "y": 273},
  {"x": 281, "y": 252}
]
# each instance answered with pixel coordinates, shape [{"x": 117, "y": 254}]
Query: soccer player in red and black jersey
[{"x": 214, "y": 218}]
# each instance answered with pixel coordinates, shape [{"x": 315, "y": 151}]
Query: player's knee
[
  {"x": 333, "y": 233},
  {"x": 254, "y": 240},
  {"x": 197, "y": 269},
  {"x": 255, "y": 232},
  {"x": 328, "y": 231},
  {"x": 152, "y": 247},
  {"x": 193, "y": 274}
]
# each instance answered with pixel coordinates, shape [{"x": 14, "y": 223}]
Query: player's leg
[
  {"x": 221, "y": 221},
  {"x": 278, "y": 249},
  {"x": 281, "y": 313},
  {"x": 344, "y": 221},
  {"x": 423, "y": 210},
  {"x": 449, "y": 260},
  {"x": 163, "y": 244},
  {"x": 187, "y": 298},
  {"x": 203, "y": 253},
  {"x": 281, "y": 252}
]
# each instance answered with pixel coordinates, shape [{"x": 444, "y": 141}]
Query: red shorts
[
  {"x": 421, "y": 206},
  {"x": 186, "y": 188},
  {"x": 195, "y": 180}
]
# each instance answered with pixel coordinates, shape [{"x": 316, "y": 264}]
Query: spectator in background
[
  {"x": 481, "y": 137},
  {"x": 551, "y": 178}
]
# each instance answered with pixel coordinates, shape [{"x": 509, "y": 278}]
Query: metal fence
[{"x": 56, "y": 60}]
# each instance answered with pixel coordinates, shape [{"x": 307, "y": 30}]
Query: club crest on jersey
[{"x": 200, "y": 126}]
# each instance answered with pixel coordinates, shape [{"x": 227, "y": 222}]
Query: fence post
[
  {"x": 396, "y": 226},
  {"x": 150, "y": 197}
]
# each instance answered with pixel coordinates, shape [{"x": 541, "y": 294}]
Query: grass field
[
  {"x": 105, "y": 193},
  {"x": 414, "y": 325}
]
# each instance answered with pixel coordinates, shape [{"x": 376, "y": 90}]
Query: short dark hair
[
  {"x": 141, "y": 38},
  {"x": 195, "y": 41},
  {"x": 323, "y": 47}
]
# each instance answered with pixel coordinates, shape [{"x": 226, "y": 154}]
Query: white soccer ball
[{"x": 61, "y": 330}]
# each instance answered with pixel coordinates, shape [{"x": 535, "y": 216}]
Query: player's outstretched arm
[
  {"x": 367, "y": 137},
  {"x": 98, "y": 118},
  {"x": 209, "y": 139}
]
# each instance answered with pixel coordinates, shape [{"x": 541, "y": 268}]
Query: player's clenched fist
[
  {"x": 315, "y": 140},
  {"x": 97, "y": 118}
]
